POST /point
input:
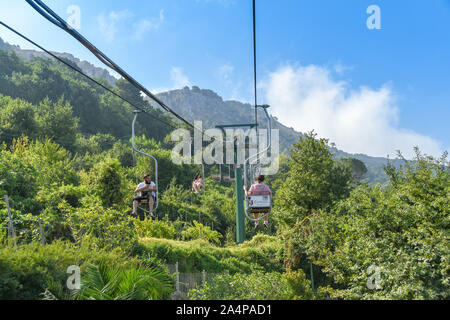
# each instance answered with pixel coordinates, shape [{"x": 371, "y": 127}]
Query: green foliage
[
  {"x": 199, "y": 231},
  {"x": 358, "y": 168},
  {"x": 18, "y": 177},
  {"x": 199, "y": 255},
  {"x": 106, "y": 180},
  {"x": 105, "y": 227},
  {"x": 66, "y": 159},
  {"x": 255, "y": 286},
  {"x": 97, "y": 110},
  {"x": 27, "y": 271},
  {"x": 104, "y": 282},
  {"x": 155, "y": 229},
  {"x": 17, "y": 117},
  {"x": 56, "y": 121},
  {"x": 402, "y": 230},
  {"x": 314, "y": 181}
]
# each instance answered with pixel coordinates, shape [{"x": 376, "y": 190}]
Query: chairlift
[
  {"x": 260, "y": 202},
  {"x": 145, "y": 202}
]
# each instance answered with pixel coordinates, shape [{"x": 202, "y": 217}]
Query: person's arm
[{"x": 144, "y": 188}]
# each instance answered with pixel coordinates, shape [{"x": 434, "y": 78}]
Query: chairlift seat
[{"x": 259, "y": 203}]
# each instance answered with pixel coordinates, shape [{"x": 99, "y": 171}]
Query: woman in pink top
[
  {"x": 259, "y": 189},
  {"x": 197, "y": 185}
]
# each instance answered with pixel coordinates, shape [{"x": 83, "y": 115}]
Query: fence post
[
  {"x": 41, "y": 231},
  {"x": 177, "y": 277},
  {"x": 12, "y": 233}
]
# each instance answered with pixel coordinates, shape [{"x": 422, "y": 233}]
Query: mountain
[
  {"x": 206, "y": 105},
  {"x": 85, "y": 66}
]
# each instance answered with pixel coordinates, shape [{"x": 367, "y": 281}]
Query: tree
[
  {"x": 357, "y": 167},
  {"x": 17, "y": 118},
  {"x": 313, "y": 182},
  {"x": 401, "y": 232},
  {"x": 56, "y": 121},
  {"x": 106, "y": 179}
]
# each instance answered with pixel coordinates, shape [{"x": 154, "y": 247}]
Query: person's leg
[
  {"x": 256, "y": 217},
  {"x": 266, "y": 221},
  {"x": 151, "y": 202},
  {"x": 135, "y": 207}
]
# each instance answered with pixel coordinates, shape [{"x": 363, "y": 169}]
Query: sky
[{"x": 371, "y": 82}]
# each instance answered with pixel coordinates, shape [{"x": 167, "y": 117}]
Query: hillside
[
  {"x": 85, "y": 66},
  {"x": 67, "y": 181}
]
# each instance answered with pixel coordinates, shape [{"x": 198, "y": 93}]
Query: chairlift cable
[{"x": 50, "y": 15}]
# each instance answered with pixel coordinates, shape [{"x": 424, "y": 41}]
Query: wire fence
[
  {"x": 15, "y": 234},
  {"x": 184, "y": 282}
]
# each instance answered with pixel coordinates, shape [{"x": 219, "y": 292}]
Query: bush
[
  {"x": 199, "y": 231},
  {"x": 198, "y": 255},
  {"x": 106, "y": 228},
  {"x": 254, "y": 286},
  {"x": 401, "y": 230},
  {"x": 155, "y": 229},
  {"x": 28, "y": 270}
]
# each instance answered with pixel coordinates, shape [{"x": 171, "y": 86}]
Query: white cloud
[
  {"x": 108, "y": 23},
  {"x": 145, "y": 25},
  {"x": 358, "y": 121},
  {"x": 179, "y": 79}
]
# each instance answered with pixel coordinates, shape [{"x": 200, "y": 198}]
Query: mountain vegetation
[{"x": 69, "y": 172}]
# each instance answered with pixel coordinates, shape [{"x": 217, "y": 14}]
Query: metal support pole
[
  {"x": 177, "y": 278},
  {"x": 240, "y": 218}
]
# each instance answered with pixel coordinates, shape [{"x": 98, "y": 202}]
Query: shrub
[
  {"x": 105, "y": 282},
  {"x": 199, "y": 231},
  {"x": 155, "y": 229},
  {"x": 26, "y": 271},
  {"x": 254, "y": 286},
  {"x": 199, "y": 255},
  {"x": 107, "y": 228}
]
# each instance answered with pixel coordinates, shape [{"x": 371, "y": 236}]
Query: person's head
[
  {"x": 260, "y": 178},
  {"x": 147, "y": 178},
  {"x": 198, "y": 176}
]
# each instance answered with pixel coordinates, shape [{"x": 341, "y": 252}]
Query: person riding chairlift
[
  {"x": 146, "y": 191},
  {"x": 259, "y": 189},
  {"x": 197, "y": 185}
]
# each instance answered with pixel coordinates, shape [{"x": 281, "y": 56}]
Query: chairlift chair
[{"x": 155, "y": 205}]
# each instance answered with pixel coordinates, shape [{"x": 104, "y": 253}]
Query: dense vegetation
[{"x": 75, "y": 174}]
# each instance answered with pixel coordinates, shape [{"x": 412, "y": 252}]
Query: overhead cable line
[
  {"x": 85, "y": 75},
  {"x": 50, "y": 15}
]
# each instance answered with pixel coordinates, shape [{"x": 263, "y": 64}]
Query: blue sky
[{"x": 319, "y": 66}]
